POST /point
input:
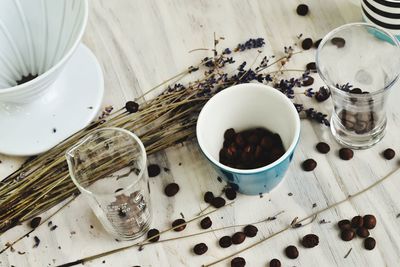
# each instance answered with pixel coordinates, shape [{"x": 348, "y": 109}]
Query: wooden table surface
[{"x": 141, "y": 43}]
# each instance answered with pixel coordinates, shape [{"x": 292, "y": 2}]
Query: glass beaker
[
  {"x": 360, "y": 63},
  {"x": 109, "y": 168}
]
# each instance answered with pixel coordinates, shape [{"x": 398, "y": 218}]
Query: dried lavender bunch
[{"x": 170, "y": 118}]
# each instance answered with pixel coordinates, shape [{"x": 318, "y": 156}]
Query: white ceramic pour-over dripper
[{"x": 37, "y": 37}]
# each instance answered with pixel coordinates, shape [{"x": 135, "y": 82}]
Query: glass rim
[
  {"x": 350, "y": 25},
  {"x": 90, "y": 135}
]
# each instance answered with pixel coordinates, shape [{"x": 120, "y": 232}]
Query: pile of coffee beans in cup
[
  {"x": 250, "y": 149},
  {"x": 359, "y": 122},
  {"x": 358, "y": 226}
]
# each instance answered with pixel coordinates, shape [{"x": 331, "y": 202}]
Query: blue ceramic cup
[{"x": 243, "y": 107}]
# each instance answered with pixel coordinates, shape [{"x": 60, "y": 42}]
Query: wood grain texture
[{"x": 141, "y": 43}]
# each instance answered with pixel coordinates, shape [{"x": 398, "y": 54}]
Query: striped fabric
[{"x": 384, "y": 13}]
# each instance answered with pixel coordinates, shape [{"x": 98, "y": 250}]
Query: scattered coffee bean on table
[
  {"x": 307, "y": 43},
  {"x": 230, "y": 193},
  {"x": 250, "y": 149},
  {"x": 362, "y": 232},
  {"x": 131, "y": 106},
  {"x": 206, "y": 223},
  {"x": 389, "y": 153},
  {"x": 338, "y": 41},
  {"x": 291, "y": 252},
  {"x": 250, "y": 230},
  {"x": 35, "y": 222},
  {"x": 322, "y": 94},
  {"x": 369, "y": 221},
  {"x": 171, "y": 189},
  {"x": 311, "y": 66},
  {"x": 357, "y": 222},
  {"x": 344, "y": 224},
  {"x": 346, "y": 153},
  {"x": 238, "y": 262},
  {"x": 238, "y": 238},
  {"x": 275, "y": 263},
  {"x": 153, "y": 232},
  {"x": 323, "y": 147},
  {"x": 309, "y": 165},
  {"x": 208, "y": 197},
  {"x": 347, "y": 234},
  {"x": 310, "y": 241},
  {"x": 225, "y": 241},
  {"x": 153, "y": 170},
  {"x": 218, "y": 202},
  {"x": 369, "y": 243},
  {"x": 200, "y": 249},
  {"x": 179, "y": 222},
  {"x": 307, "y": 81},
  {"x": 357, "y": 91},
  {"x": 316, "y": 43},
  {"x": 302, "y": 10}
]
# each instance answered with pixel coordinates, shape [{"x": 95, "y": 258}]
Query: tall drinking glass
[
  {"x": 360, "y": 63},
  {"x": 109, "y": 168}
]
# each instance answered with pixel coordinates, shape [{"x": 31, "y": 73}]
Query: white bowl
[{"x": 37, "y": 37}]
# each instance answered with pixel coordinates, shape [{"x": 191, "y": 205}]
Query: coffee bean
[
  {"x": 291, "y": 252},
  {"x": 153, "y": 170},
  {"x": 200, "y": 249},
  {"x": 250, "y": 230},
  {"x": 229, "y": 135},
  {"x": 310, "y": 241},
  {"x": 131, "y": 106},
  {"x": 389, "y": 153},
  {"x": 218, "y": 202},
  {"x": 208, "y": 197},
  {"x": 225, "y": 241},
  {"x": 369, "y": 243},
  {"x": 357, "y": 222},
  {"x": 171, "y": 189},
  {"x": 302, "y": 10},
  {"x": 239, "y": 140},
  {"x": 338, "y": 41},
  {"x": 309, "y": 165},
  {"x": 344, "y": 224},
  {"x": 323, "y": 147},
  {"x": 322, "y": 94},
  {"x": 230, "y": 193},
  {"x": 180, "y": 222},
  {"x": 153, "y": 232},
  {"x": 346, "y": 153},
  {"x": 307, "y": 43},
  {"x": 357, "y": 91},
  {"x": 362, "y": 232},
  {"x": 307, "y": 81},
  {"x": 238, "y": 238},
  {"x": 316, "y": 43},
  {"x": 347, "y": 234},
  {"x": 311, "y": 66},
  {"x": 35, "y": 222},
  {"x": 369, "y": 221},
  {"x": 206, "y": 223},
  {"x": 275, "y": 263},
  {"x": 238, "y": 262}
]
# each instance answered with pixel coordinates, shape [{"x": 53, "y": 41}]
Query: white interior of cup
[
  {"x": 243, "y": 107},
  {"x": 37, "y": 36}
]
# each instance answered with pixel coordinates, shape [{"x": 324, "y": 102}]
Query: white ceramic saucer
[{"x": 72, "y": 102}]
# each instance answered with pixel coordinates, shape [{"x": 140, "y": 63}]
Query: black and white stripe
[{"x": 384, "y": 13}]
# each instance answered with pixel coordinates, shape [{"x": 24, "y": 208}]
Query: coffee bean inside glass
[{"x": 360, "y": 63}]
